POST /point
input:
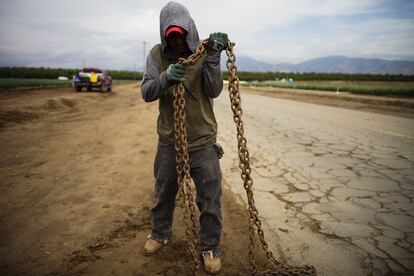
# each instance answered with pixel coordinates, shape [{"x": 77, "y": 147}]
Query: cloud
[{"x": 110, "y": 33}]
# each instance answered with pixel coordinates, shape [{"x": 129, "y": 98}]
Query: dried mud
[{"x": 77, "y": 187}]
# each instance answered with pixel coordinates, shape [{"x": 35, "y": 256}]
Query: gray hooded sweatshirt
[{"x": 156, "y": 87}]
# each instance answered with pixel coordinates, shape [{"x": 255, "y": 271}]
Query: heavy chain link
[
  {"x": 184, "y": 178},
  {"x": 183, "y": 161},
  {"x": 244, "y": 165}
]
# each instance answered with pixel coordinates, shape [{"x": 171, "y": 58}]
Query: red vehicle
[{"x": 92, "y": 78}]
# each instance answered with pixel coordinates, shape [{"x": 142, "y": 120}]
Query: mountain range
[{"x": 330, "y": 64}]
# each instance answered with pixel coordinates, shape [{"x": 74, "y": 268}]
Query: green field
[
  {"x": 10, "y": 83},
  {"x": 7, "y": 83},
  {"x": 402, "y": 89}
]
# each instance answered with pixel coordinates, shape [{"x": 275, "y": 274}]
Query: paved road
[{"x": 335, "y": 187}]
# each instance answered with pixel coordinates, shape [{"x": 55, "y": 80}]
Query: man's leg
[
  {"x": 206, "y": 173},
  {"x": 165, "y": 193}
]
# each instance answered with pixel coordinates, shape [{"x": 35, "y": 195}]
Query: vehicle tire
[
  {"x": 78, "y": 88},
  {"x": 109, "y": 88}
]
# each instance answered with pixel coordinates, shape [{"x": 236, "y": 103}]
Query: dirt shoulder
[
  {"x": 77, "y": 187},
  {"x": 395, "y": 106},
  {"x": 77, "y": 184}
]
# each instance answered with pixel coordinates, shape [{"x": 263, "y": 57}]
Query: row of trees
[
  {"x": 267, "y": 76},
  {"x": 53, "y": 73}
]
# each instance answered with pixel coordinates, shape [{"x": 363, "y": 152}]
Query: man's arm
[
  {"x": 213, "y": 80},
  {"x": 154, "y": 82}
]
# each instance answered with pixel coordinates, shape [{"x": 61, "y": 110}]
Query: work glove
[
  {"x": 175, "y": 73},
  {"x": 217, "y": 41}
]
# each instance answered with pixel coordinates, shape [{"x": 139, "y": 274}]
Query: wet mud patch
[
  {"x": 121, "y": 248},
  {"x": 16, "y": 116},
  {"x": 136, "y": 222},
  {"x": 68, "y": 102},
  {"x": 22, "y": 113},
  {"x": 52, "y": 105},
  {"x": 107, "y": 244}
]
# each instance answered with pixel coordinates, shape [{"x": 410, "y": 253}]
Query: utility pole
[{"x": 144, "y": 43}]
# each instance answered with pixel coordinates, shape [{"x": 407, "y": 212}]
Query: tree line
[
  {"x": 269, "y": 76},
  {"x": 54, "y": 73}
]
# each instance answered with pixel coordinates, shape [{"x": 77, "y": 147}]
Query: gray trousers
[{"x": 206, "y": 173}]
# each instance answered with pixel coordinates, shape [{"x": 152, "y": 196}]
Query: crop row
[{"x": 354, "y": 89}]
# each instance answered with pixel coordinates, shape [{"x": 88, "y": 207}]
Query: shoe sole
[
  {"x": 211, "y": 272},
  {"x": 150, "y": 253}
]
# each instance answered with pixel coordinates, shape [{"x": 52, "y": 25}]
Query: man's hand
[
  {"x": 217, "y": 41},
  {"x": 175, "y": 73}
]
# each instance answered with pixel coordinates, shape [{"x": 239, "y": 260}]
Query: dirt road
[
  {"x": 76, "y": 188},
  {"x": 330, "y": 180}
]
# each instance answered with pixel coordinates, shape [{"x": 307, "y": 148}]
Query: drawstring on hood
[{"x": 175, "y": 14}]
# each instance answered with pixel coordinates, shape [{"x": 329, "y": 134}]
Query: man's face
[{"x": 176, "y": 42}]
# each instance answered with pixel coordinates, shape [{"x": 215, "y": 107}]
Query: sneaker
[
  {"x": 212, "y": 264},
  {"x": 152, "y": 246}
]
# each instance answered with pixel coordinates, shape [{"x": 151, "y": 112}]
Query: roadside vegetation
[
  {"x": 8, "y": 83},
  {"x": 369, "y": 84},
  {"x": 54, "y": 73},
  {"x": 380, "y": 88},
  {"x": 14, "y": 77},
  {"x": 272, "y": 76},
  {"x": 365, "y": 84}
]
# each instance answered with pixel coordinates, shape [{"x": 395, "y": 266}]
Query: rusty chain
[
  {"x": 184, "y": 178},
  {"x": 183, "y": 161}
]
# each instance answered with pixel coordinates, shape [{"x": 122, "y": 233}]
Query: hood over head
[{"x": 175, "y": 14}]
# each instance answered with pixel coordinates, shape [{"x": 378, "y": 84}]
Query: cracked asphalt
[{"x": 334, "y": 187}]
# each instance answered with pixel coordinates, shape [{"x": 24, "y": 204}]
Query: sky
[{"x": 110, "y": 34}]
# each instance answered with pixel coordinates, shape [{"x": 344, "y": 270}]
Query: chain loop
[{"x": 184, "y": 179}]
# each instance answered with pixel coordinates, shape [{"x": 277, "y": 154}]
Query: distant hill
[
  {"x": 331, "y": 64},
  {"x": 249, "y": 64}
]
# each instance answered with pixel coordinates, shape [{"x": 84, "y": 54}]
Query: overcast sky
[{"x": 109, "y": 34}]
